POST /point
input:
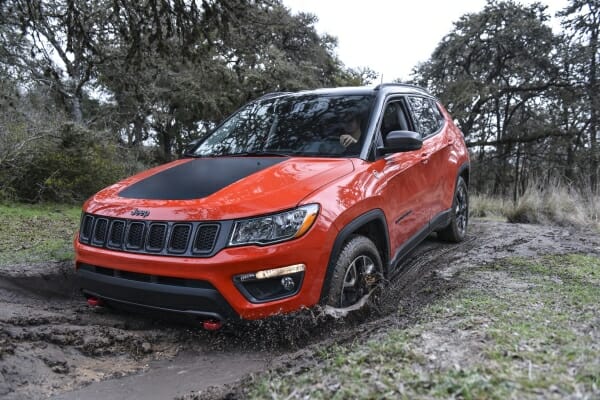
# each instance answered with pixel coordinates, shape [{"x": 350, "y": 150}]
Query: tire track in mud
[
  {"x": 48, "y": 339},
  {"x": 51, "y": 343}
]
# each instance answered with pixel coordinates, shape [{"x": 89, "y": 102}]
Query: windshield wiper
[
  {"x": 257, "y": 154},
  {"x": 241, "y": 154}
]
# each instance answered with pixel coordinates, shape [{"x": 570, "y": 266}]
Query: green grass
[
  {"x": 517, "y": 329},
  {"x": 37, "y": 233}
]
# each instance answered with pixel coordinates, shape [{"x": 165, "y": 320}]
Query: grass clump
[
  {"x": 552, "y": 204},
  {"x": 560, "y": 205},
  {"x": 483, "y": 206},
  {"x": 37, "y": 233},
  {"x": 518, "y": 329}
]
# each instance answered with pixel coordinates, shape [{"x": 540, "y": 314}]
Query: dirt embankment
[{"x": 52, "y": 344}]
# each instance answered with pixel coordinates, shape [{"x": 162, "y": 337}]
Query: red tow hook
[
  {"x": 212, "y": 324},
  {"x": 94, "y": 301}
]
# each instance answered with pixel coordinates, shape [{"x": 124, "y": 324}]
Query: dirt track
[{"x": 53, "y": 344}]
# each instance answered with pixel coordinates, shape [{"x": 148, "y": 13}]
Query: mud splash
[
  {"x": 342, "y": 312},
  {"x": 53, "y": 344}
]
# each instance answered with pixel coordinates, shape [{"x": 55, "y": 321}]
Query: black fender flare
[
  {"x": 466, "y": 166},
  {"x": 343, "y": 235}
]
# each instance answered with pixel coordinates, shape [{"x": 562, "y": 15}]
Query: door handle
[{"x": 425, "y": 158}]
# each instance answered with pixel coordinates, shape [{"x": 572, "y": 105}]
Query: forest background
[{"x": 92, "y": 91}]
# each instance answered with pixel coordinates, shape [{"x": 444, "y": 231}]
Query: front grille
[
  {"x": 117, "y": 231},
  {"x": 205, "y": 238},
  {"x": 179, "y": 238},
  {"x": 87, "y": 224},
  {"x": 156, "y": 237},
  {"x": 135, "y": 235},
  {"x": 100, "y": 231}
]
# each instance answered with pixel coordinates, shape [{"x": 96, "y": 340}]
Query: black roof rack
[
  {"x": 407, "y": 85},
  {"x": 272, "y": 94}
]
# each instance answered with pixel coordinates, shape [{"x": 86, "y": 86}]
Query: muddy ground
[{"x": 52, "y": 345}]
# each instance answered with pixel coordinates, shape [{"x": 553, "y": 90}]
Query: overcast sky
[{"x": 391, "y": 36}]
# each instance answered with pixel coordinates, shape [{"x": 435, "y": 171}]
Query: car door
[
  {"x": 402, "y": 178},
  {"x": 434, "y": 153}
]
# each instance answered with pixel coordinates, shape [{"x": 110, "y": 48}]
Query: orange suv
[{"x": 295, "y": 200}]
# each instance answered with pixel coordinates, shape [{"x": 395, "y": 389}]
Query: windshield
[{"x": 307, "y": 125}]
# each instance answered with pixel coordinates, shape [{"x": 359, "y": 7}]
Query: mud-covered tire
[
  {"x": 459, "y": 215},
  {"x": 357, "y": 272}
]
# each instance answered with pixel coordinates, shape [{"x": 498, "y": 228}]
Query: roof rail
[
  {"x": 272, "y": 94},
  {"x": 408, "y": 85}
]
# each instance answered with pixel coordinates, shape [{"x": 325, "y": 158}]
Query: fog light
[
  {"x": 288, "y": 283},
  {"x": 271, "y": 284}
]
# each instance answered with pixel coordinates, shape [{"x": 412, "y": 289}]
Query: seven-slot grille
[{"x": 154, "y": 237}]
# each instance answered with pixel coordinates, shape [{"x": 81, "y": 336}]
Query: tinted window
[
  {"x": 302, "y": 125},
  {"x": 394, "y": 118},
  {"x": 426, "y": 115},
  {"x": 437, "y": 113}
]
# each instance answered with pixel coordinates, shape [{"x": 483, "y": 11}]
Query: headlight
[{"x": 274, "y": 228}]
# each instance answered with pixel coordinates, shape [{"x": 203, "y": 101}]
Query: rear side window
[{"x": 427, "y": 116}]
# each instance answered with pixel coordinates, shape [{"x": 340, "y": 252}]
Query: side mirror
[{"x": 401, "y": 141}]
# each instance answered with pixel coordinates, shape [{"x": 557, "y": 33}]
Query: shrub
[
  {"x": 552, "y": 203},
  {"x": 70, "y": 167},
  {"x": 482, "y": 206}
]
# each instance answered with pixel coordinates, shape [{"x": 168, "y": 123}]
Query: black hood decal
[{"x": 197, "y": 178}]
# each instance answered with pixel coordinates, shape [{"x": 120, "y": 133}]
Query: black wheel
[
  {"x": 457, "y": 229},
  {"x": 357, "y": 272}
]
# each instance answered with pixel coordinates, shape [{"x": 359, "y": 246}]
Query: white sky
[{"x": 392, "y": 36}]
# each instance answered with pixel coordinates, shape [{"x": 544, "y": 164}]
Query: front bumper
[
  {"x": 204, "y": 287},
  {"x": 182, "y": 296}
]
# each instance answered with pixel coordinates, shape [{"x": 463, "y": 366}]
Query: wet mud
[{"x": 53, "y": 345}]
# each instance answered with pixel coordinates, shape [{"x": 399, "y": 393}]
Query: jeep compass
[{"x": 296, "y": 200}]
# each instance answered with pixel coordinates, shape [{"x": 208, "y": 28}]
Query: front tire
[
  {"x": 357, "y": 272},
  {"x": 456, "y": 231}
]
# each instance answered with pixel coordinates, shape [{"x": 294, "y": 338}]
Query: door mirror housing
[{"x": 401, "y": 141}]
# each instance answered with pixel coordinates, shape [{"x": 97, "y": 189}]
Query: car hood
[{"x": 217, "y": 188}]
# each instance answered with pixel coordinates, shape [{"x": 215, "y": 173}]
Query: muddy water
[{"x": 53, "y": 345}]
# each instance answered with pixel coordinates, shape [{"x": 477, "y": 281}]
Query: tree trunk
[
  {"x": 76, "y": 112},
  {"x": 595, "y": 110},
  {"x": 517, "y": 180}
]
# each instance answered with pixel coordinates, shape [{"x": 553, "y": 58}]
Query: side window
[
  {"x": 394, "y": 118},
  {"x": 438, "y": 114},
  {"x": 427, "y": 117}
]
